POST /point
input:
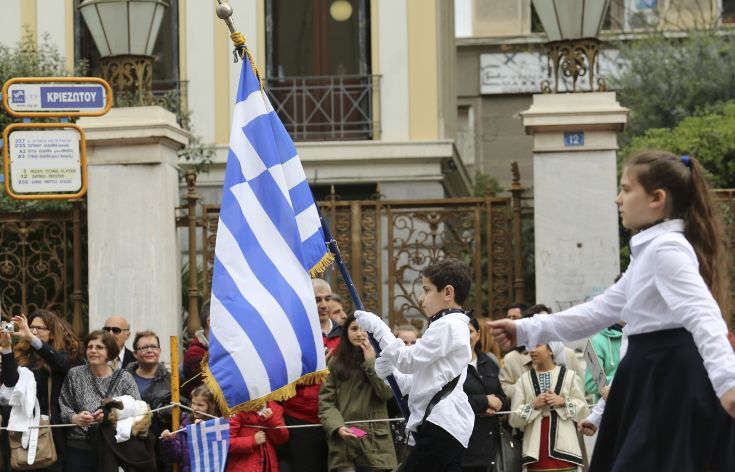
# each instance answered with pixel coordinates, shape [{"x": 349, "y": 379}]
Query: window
[
  {"x": 317, "y": 37},
  {"x": 318, "y": 68}
]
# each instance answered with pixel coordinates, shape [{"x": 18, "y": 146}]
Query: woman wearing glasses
[
  {"x": 152, "y": 378},
  {"x": 81, "y": 402},
  {"x": 44, "y": 349}
]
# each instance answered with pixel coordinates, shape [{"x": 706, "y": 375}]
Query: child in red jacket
[{"x": 253, "y": 449}]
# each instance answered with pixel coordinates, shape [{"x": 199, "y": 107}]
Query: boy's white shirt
[
  {"x": 661, "y": 289},
  {"x": 421, "y": 370}
]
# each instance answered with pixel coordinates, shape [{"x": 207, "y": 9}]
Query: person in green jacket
[
  {"x": 351, "y": 392},
  {"x": 606, "y": 344}
]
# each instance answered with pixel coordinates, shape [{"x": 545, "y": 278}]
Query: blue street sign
[
  {"x": 574, "y": 139},
  {"x": 59, "y": 96}
]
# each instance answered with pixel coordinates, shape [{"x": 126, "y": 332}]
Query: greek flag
[
  {"x": 264, "y": 335},
  {"x": 207, "y": 443}
]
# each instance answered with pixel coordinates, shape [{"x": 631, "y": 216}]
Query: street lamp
[
  {"x": 125, "y": 32},
  {"x": 572, "y": 27}
]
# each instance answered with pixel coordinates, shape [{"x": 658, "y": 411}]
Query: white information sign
[
  {"x": 593, "y": 364},
  {"x": 45, "y": 161},
  {"x": 523, "y": 72}
]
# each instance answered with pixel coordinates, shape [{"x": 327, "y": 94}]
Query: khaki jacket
[{"x": 362, "y": 396}]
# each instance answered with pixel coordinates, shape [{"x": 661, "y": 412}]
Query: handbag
[
  {"x": 45, "y": 448},
  {"x": 509, "y": 453}
]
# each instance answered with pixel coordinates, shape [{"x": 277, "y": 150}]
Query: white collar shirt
[
  {"x": 440, "y": 355},
  {"x": 661, "y": 289},
  {"x": 121, "y": 357}
]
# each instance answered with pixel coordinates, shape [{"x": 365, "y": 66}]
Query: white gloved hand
[
  {"x": 371, "y": 323},
  {"x": 383, "y": 367}
]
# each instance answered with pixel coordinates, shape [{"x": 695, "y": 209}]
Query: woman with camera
[{"x": 43, "y": 348}]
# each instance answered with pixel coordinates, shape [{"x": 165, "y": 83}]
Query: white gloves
[
  {"x": 383, "y": 367},
  {"x": 371, "y": 323}
]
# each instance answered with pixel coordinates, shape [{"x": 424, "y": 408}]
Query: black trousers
[
  {"x": 435, "y": 451},
  {"x": 306, "y": 449}
]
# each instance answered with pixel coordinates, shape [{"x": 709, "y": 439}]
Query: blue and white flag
[
  {"x": 264, "y": 335},
  {"x": 207, "y": 443}
]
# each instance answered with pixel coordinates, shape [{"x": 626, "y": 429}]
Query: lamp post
[
  {"x": 572, "y": 27},
  {"x": 125, "y": 32},
  {"x": 574, "y": 163}
]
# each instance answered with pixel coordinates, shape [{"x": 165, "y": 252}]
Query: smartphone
[{"x": 357, "y": 432}]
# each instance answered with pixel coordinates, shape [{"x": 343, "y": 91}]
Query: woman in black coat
[{"x": 483, "y": 390}]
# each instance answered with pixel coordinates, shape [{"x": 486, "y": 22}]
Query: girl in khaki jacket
[
  {"x": 353, "y": 391},
  {"x": 547, "y": 401}
]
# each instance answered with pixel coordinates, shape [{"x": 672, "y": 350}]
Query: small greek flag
[
  {"x": 264, "y": 333},
  {"x": 207, "y": 443}
]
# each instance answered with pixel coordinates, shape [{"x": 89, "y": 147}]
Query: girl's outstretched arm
[{"x": 574, "y": 323}]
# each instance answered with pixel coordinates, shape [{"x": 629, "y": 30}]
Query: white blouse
[{"x": 662, "y": 289}]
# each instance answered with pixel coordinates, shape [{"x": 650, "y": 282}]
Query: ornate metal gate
[
  {"x": 386, "y": 244},
  {"x": 41, "y": 263}
]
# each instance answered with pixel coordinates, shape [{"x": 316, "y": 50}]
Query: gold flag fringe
[
  {"x": 238, "y": 39},
  {"x": 322, "y": 265},
  {"x": 283, "y": 393}
]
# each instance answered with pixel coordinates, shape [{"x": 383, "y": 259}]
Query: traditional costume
[{"x": 550, "y": 438}]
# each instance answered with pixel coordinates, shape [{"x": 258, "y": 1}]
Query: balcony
[{"x": 327, "y": 108}]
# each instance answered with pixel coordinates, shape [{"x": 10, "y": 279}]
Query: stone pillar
[
  {"x": 134, "y": 257},
  {"x": 574, "y": 187}
]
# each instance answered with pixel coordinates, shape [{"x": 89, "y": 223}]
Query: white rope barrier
[{"x": 298, "y": 426}]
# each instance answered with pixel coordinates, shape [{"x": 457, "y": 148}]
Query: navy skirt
[{"x": 662, "y": 413}]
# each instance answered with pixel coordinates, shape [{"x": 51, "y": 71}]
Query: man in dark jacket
[{"x": 119, "y": 328}]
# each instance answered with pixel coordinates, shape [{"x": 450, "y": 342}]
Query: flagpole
[
  {"x": 334, "y": 249},
  {"x": 224, "y": 12}
]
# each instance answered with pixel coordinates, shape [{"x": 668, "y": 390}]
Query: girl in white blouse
[{"x": 668, "y": 406}]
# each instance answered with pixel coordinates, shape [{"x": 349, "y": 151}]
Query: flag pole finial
[{"x": 224, "y": 12}]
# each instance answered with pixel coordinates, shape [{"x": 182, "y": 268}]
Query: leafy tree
[
  {"x": 710, "y": 137},
  {"x": 671, "y": 78}
]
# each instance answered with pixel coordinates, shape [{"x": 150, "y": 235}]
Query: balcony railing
[{"x": 321, "y": 108}]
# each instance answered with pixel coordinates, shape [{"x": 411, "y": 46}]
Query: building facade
[
  {"x": 366, "y": 88},
  {"x": 501, "y": 62}
]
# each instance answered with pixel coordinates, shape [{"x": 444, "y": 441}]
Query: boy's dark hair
[{"x": 452, "y": 272}]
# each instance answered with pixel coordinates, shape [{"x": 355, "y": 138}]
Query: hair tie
[{"x": 686, "y": 160}]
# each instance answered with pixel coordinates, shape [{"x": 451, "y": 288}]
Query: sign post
[{"x": 43, "y": 161}]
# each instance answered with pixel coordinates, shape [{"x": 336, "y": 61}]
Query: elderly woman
[
  {"x": 152, "y": 377},
  {"x": 81, "y": 398}
]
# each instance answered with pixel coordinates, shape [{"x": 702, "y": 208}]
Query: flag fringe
[
  {"x": 283, "y": 393},
  {"x": 322, "y": 265}
]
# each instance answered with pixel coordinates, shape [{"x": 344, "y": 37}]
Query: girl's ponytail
[{"x": 703, "y": 229}]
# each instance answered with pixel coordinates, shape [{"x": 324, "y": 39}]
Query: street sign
[
  {"x": 574, "y": 139},
  {"x": 44, "y": 161},
  {"x": 25, "y": 97}
]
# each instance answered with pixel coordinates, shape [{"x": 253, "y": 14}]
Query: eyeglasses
[
  {"x": 148, "y": 348},
  {"x": 115, "y": 329},
  {"x": 38, "y": 328}
]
